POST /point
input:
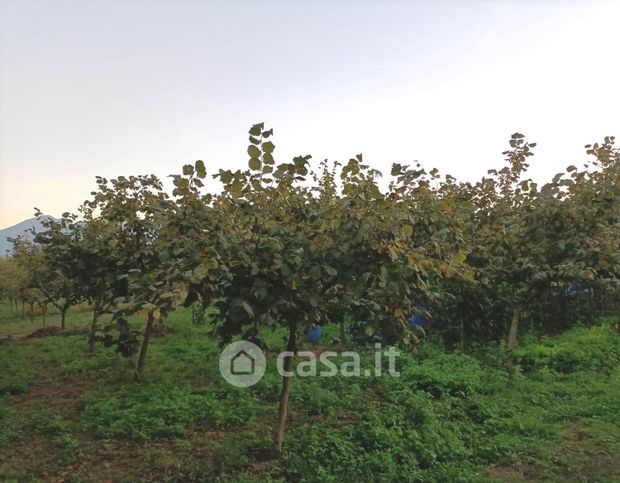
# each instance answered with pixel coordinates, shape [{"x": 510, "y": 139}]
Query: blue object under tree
[
  {"x": 576, "y": 288},
  {"x": 416, "y": 320},
  {"x": 314, "y": 334}
]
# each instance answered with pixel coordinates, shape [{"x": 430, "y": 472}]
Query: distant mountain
[{"x": 17, "y": 230}]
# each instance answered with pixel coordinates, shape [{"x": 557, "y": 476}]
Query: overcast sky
[{"x": 117, "y": 87}]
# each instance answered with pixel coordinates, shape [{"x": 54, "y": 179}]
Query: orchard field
[
  {"x": 70, "y": 416},
  {"x": 502, "y": 297}
]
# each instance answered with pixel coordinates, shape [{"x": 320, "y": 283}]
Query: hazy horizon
[{"x": 115, "y": 88}]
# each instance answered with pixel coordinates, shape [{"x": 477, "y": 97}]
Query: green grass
[
  {"x": 13, "y": 324},
  {"x": 448, "y": 417}
]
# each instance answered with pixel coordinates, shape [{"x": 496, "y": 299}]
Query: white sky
[{"x": 117, "y": 87}]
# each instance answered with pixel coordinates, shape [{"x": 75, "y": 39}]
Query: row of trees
[{"x": 286, "y": 245}]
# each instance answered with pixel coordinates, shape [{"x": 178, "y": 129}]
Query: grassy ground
[
  {"x": 12, "y": 324},
  {"x": 68, "y": 416}
]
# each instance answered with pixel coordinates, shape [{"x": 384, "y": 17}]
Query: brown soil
[{"x": 577, "y": 459}]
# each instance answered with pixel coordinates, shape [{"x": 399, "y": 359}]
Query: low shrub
[
  {"x": 141, "y": 412},
  {"x": 589, "y": 349}
]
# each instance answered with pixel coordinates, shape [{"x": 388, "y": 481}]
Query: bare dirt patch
[
  {"x": 583, "y": 459},
  {"x": 517, "y": 471},
  {"x": 33, "y": 455},
  {"x": 52, "y": 331},
  {"x": 55, "y": 393},
  {"x": 578, "y": 458}
]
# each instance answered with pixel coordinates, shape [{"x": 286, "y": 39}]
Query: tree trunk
[
  {"x": 31, "y": 312},
  {"x": 145, "y": 345},
  {"x": 512, "y": 338},
  {"x": 63, "y": 314},
  {"x": 23, "y": 310},
  {"x": 93, "y": 331},
  {"x": 278, "y": 432},
  {"x": 44, "y": 314}
]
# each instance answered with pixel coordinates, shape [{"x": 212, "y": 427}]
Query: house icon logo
[{"x": 242, "y": 363}]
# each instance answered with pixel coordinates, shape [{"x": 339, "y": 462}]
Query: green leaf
[
  {"x": 226, "y": 176},
  {"x": 248, "y": 308},
  {"x": 330, "y": 271},
  {"x": 300, "y": 162},
  {"x": 201, "y": 171},
  {"x": 253, "y": 151},
  {"x": 256, "y": 129},
  {"x": 268, "y": 147},
  {"x": 254, "y": 164},
  {"x": 315, "y": 272}
]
